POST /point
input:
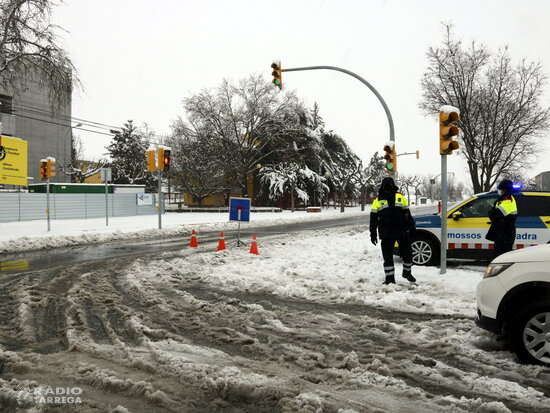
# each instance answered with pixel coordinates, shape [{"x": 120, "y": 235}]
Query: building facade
[
  {"x": 31, "y": 116},
  {"x": 542, "y": 181}
]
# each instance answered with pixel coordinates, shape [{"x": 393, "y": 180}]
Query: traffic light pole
[
  {"x": 443, "y": 267},
  {"x": 160, "y": 201},
  {"x": 48, "y": 203},
  {"x": 106, "y": 203},
  {"x": 339, "y": 69}
]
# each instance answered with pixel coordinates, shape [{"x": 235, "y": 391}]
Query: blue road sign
[{"x": 239, "y": 209}]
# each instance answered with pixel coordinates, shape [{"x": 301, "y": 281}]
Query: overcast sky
[{"x": 138, "y": 59}]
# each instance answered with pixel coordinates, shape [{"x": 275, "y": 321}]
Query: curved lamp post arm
[{"x": 371, "y": 87}]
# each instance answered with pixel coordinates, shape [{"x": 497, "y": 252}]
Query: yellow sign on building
[{"x": 13, "y": 161}]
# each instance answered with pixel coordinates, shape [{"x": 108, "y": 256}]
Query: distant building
[
  {"x": 29, "y": 115},
  {"x": 542, "y": 181}
]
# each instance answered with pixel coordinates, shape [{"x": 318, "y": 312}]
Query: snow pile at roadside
[
  {"x": 33, "y": 235},
  {"x": 338, "y": 266}
]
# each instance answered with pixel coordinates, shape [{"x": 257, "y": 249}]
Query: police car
[{"x": 468, "y": 223}]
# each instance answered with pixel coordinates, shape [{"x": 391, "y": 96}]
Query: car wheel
[
  {"x": 424, "y": 251},
  {"x": 530, "y": 334}
]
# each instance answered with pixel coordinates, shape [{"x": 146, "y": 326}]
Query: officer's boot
[
  {"x": 390, "y": 275},
  {"x": 407, "y": 266}
]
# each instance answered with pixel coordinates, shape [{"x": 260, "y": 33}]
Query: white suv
[{"x": 513, "y": 300}]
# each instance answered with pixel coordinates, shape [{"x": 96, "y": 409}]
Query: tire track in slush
[
  {"x": 116, "y": 327},
  {"x": 355, "y": 335}
]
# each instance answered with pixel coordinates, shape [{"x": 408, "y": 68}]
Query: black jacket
[
  {"x": 390, "y": 216},
  {"x": 503, "y": 221}
]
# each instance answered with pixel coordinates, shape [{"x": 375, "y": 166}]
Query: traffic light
[
  {"x": 43, "y": 168},
  {"x": 151, "y": 166},
  {"x": 390, "y": 158},
  {"x": 166, "y": 165},
  {"x": 50, "y": 168},
  {"x": 277, "y": 75},
  {"x": 446, "y": 132},
  {"x": 160, "y": 158}
]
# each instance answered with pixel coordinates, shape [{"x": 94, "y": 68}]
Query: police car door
[
  {"x": 533, "y": 221},
  {"x": 468, "y": 224}
]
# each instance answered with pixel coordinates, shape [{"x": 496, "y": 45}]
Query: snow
[
  {"x": 311, "y": 267},
  {"x": 306, "y": 270},
  {"x": 33, "y": 235},
  {"x": 449, "y": 109},
  {"x": 251, "y": 329}
]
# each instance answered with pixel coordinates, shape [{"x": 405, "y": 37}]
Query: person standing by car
[
  {"x": 503, "y": 219},
  {"x": 391, "y": 219}
]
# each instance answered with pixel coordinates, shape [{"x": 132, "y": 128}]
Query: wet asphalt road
[{"x": 44, "y": 259}]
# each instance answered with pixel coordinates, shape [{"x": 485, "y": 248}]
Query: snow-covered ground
[
  {"x": 306, "y": 326},
  {"x": 30, "y": 235}
]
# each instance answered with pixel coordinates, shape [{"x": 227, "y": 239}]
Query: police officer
[
  {"x": 503, "y": 219},
  {"x": 390, "y": 216}
]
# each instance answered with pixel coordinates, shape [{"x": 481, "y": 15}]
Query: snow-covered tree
[
  {"x": 342, "y": 164},
  {"x": 128, "y": 157},
  {"x": 249, "y": 118},
  {"x": 502, "y": 120},
  {"x": 289, "y": 177}
]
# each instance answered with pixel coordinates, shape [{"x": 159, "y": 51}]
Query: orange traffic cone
[
  {"x": 194, "y": 242},
  {"x": 221, "y": 243},
  {"x": 254, "y": 246}
]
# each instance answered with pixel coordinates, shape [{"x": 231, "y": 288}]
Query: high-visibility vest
[
  {"x": 381, "y": 204},
  {"x": 507, "y": 206}
]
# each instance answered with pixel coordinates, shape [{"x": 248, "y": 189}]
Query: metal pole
[
  {"x": 339, "y": 69},
  {"x": 160, "y": 201},
  {"x": 239, "y": 235},
  {"x": 48, "y": 202},
  {"x": 106, "y": 201},
  {"x": 443, "y": 268},
  {"x": 239, "y": 230}
]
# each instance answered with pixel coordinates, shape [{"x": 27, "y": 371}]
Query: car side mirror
[{"x": 456, "y": 215}]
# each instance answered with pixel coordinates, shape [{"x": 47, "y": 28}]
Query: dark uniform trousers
[{"x": 387, "y": 245}]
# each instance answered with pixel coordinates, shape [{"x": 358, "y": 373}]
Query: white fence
[{"x": 22, "y": 206}]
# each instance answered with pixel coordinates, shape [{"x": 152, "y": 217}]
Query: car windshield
[{"x": 455, "y": 205}]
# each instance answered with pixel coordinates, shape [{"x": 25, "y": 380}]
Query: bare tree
[
  {"x": 196, "y": 166},
  {"x": 501, "y": 118},
  {"x": 29, "y": 49},
  {"x": 367, "y": 178},
  {"x": 408, "y": 181},
  {"x": 525, "y": 183},
  {"x": 430, "y": 188},
  {"x": 78, "y": 168},
  {"x": 454, "y": 189}
]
